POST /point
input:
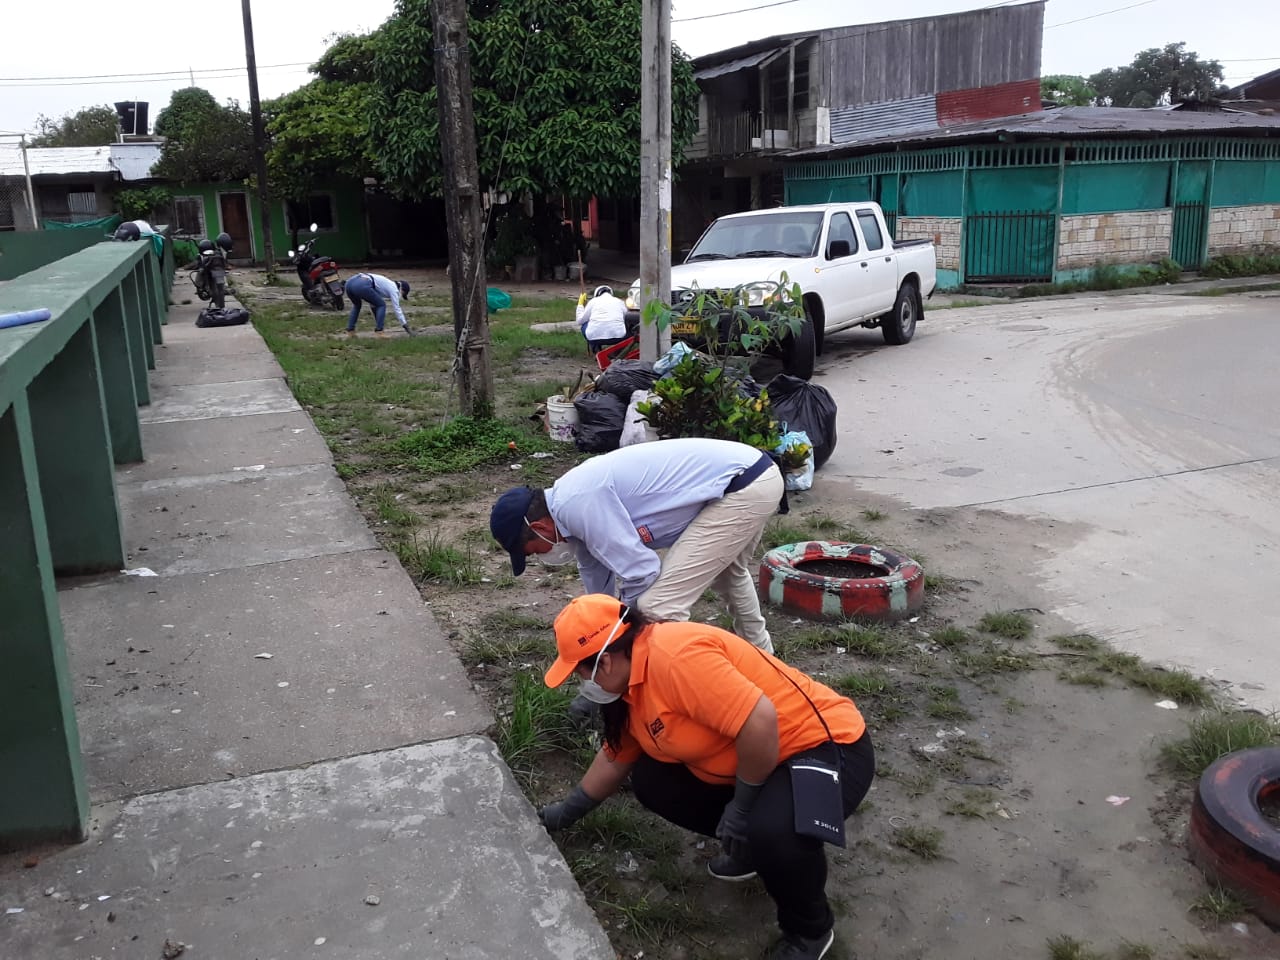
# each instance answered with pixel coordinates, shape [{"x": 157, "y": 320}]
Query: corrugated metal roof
[
  {"x": 55, "y": 160},
  {"x": 850, "y": 124},
  {"x": 759, "y": 59},
  {"x": 135, "y": 160},
  {"x": 1065, "y": 122}
]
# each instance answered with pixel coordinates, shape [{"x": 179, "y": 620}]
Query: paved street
[{"x": 1143, "y": 426}]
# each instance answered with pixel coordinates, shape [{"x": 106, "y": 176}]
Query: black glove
[
  {"x": 567, "y": 812},
  {"x": 734, "y": 822}
]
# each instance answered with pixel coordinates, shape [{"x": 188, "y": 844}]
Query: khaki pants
[{"x": 716, "y": 551}]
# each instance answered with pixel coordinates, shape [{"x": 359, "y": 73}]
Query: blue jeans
[{"x": 361, "y": 290}]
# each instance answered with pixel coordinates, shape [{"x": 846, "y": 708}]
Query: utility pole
[
  {"x": 462, "y": 204},
  {"x": 655, "y": 169},
  {"x": 259, "y": 145},
  {"x": 31, "y": 196}
]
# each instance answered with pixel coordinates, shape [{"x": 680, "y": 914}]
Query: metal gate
[
  {"x": 1188, "y": 234},
  {"x": 1009, "y": 247}
]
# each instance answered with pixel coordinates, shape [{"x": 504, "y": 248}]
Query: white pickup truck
[{"x": 850, "y": 271}]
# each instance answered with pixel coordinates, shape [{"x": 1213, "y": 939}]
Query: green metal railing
[
  {"x": 1009, "y": 247},
  {"x": 1189, "y": 236},
  {"x": 69, "y": 392}
]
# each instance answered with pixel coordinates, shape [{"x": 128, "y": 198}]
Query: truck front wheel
[
  {"x": 801, "y": 350},
  {"x": 900, "y": 325}
]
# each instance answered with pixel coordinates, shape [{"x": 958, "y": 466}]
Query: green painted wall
[
  {"x": 1114, "y": 187},
  {"x": 25, "y": 250},
  {"x": 1239, "y": 183},
  {"x": 349, "y": 240}
]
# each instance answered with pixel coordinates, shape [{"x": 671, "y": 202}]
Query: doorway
[{"x": 233, "y": 215}]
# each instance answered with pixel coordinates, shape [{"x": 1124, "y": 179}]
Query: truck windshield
[{"x": 773, "y": 234}]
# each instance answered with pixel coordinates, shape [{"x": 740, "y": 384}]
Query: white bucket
[
  {"x": 561, "y": 419},
  {"x": 576, "y": 271}
]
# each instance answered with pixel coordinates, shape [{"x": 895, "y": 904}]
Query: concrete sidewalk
[{"x": 284, "y": 756}]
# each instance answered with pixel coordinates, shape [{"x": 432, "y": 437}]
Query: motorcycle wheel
[{"x": 338, "y": 303}]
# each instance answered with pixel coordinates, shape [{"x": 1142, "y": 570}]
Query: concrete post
[
  {"x": 119, "y": 377},
  {"x": 45, "y": 796},
  {"x": 75, "y": 460},
  {"x": 141, "y": 349},
  {"x": 655, "y": 169}
]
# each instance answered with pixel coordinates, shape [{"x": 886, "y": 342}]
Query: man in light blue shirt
[
  {"x": 375, "y": 290},
  {"x": 705, "y": 501}
]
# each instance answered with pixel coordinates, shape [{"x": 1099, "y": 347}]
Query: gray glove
[
  {"x": 567, "y": 812},
  {"x": 734, "y": 822}
]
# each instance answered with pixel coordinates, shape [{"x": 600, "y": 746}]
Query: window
[
  {"x": 188, "y": 215},
  {"x": 841, "y": 229},
  {"x": 317, "y": 209},
  {"x": 777, "y": 73},
  {"x": 870, "y": 229}
]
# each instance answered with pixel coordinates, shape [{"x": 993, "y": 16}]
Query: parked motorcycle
[
  {"x": 321, "y": 284},
  {"x": 210, "y": 274}
]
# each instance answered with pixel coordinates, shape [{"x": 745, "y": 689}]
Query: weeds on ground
[
  {"x": 537, "y": 723},
  {"x": 1218, "y": 906},
  {"x": 430, "y": 558},
  {"x": 871, "y": 515},
  {"x": 1204, "y": 951},
  {"x": 1213, "y": 735},
  {"x": 991, "y": 659},
  {"x": 1008, "y": 624},
  {"x": 1128, "y": 950},
  {"x": 949, "y": 637},
  {"x": 1069, "y": 948},
  {"x": 871, "y": 641},
  {"x": 872, "y": 683},
  {"x": 1242, "y": 265},
  {"x": 504, "y": 637},
  {"x": 944, "y": 704},
  {"x": 973, "y": 802},
  {"x": 1099, "y": 659},
  {"x": 924, "y": 842},
  {"x": 465, "y": 443},
  {"x": 1078, "y": 642}
]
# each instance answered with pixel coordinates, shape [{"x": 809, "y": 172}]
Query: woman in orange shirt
[{"x": 720, "y": 738}]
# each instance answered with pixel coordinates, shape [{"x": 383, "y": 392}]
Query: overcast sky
[{"x": 56, "y": 60}]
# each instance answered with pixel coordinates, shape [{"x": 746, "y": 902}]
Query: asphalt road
[{"x": 1146, "y": 424}]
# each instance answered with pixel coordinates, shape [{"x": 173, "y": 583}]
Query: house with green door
[
  {"x": 1047, "y": 196},
  {"x": 207, "y": 209}
]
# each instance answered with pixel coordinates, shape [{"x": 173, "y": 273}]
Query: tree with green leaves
[
  {"x": 90, "y": 127},
  {"x": 205, "y": 141},
  {"x": 556, "y": 92},
  {"x": 1158, "y": 76},
  {"x": 1067, "y": 90},
  {"x": 320, "y": 132}
]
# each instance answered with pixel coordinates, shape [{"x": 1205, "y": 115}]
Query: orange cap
[{"x": 582, "y": 628}]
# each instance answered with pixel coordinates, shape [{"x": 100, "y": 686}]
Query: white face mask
[
  {"x": 592, "y": 690},
  {"x": 561, "y": 551}
]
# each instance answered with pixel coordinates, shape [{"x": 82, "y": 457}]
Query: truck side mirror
[{"x": 837, "y": 249}]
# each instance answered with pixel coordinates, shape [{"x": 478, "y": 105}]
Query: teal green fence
[
  {"x": 1012, "y": 247},
  {"x": 69, "y": 392}
]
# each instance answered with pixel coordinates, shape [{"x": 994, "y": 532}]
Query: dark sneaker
[
  {"x": 723, "y": 866},
  {"x": 792, "y": 946}
]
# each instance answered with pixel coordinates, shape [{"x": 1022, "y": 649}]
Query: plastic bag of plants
[
  {"x": 600, "y": 420},
  {"x": 804, "y": 406},
  {"x": 799, "y": 478},
  {"x": 226, "y": 317},
  {"x": 625, "y": 377}
]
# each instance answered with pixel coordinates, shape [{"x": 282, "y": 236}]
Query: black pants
[
  {"x": 595, "y": 346},
  {"x": 793, "y": 868}
]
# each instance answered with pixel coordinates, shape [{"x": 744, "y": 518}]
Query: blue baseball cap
[{"x": 507, "y": 522}]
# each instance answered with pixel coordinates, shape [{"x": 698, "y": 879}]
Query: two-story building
[{"x": 827, "y": 87}]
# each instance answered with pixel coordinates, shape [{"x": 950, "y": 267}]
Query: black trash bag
[
  {"x": 226, "y": 317},
  {"x": 625, "y": 377},
  {"x": 600, "y": 420},
  {"x": 801, "y": 405}
]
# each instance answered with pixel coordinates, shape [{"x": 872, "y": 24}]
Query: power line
[
  {"x": 234, "y": 75},
  {"x": 730, "y": 13},
  {"x": 166, "y": 74},
  {"x": 1095, "y": 16}
]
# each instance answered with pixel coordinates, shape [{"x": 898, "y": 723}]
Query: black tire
[
  {"x": 801, "y": 350},
  {"x": 220, "y": 295},
  {"x": 337, "y": 303},
  {"x": 899, "y": 325},
  {"x": 1231, "y": 840}
]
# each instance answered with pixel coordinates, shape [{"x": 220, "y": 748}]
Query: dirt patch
[{"x": 1019, "y": 798}]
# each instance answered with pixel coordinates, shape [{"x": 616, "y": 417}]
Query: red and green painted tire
[
  {"x": 1231, "y": 839},
  {"x": 894, "y": 590}
]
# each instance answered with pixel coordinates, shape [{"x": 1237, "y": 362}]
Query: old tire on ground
[
  {"x": 1231, "y": 839},
  {"x": 881, "y": 584},
  {"x": 800, "y": 351},
  {"x": 899, "y": 325}
]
